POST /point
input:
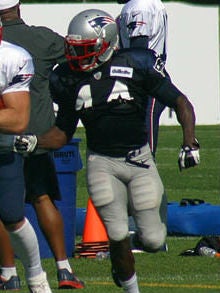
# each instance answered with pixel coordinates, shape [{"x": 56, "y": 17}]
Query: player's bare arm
[
  {"x": 189, "y": 153},
  {"x": 14, "y": 115},
  {"x": 186, "y": 117},
  {"x": 53, "y": 139}
]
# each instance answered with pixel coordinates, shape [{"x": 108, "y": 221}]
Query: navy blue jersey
[{"x": 111, "y": 100}]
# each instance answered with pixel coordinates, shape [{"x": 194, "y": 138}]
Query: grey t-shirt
[{"x": 47, "y": 49}]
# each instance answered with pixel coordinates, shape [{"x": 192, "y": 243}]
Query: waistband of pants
[
  {"x": 131, "y": 153},
  {"x": 132, "y": 157},
  {"x": 139, "y": 151}
]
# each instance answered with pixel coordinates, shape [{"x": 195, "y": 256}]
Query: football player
[{"x": 108, "y": 90}]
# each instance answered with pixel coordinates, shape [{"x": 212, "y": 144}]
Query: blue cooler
[{"x": 67, "y": 162}]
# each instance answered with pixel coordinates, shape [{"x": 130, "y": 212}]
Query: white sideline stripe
[{"x": 163, "y": 285}]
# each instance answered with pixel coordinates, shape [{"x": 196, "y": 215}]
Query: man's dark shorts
[
  {"x": 12, "y": 188},
  {"x": 40, "y": 177}
]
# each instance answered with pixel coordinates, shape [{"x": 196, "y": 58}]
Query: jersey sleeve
[
  {"x": 133, "y": 24},
  {"x": 140, "y": 23},
  {"x": 157, "y": 81},
  {"x": 20, "y": 71}
]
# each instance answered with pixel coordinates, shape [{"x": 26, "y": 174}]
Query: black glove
[
  {"x": 25, "y": 144},
  {"x": 189, "y": 157}
]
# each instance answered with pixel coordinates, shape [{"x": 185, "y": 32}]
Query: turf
[{"x": 161, "y": 272}]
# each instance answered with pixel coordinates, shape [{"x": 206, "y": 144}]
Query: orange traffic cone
[
  {"x": 94, "y": 229},
  {"x": 94, "y": 237}
]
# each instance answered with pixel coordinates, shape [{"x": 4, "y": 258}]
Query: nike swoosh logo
[{"x": 135, "y": 14}]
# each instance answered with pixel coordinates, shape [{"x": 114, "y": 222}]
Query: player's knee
[
  {"x": 153, "y": 241},
  {"x": 118, "y": 232}
]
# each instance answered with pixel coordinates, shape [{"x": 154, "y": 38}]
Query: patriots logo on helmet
[{"x": 100, "y": 21}]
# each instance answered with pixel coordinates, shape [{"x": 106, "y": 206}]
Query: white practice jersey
[
  {"x": 144, "y": 18},
  {"x": 16, "y": 68}
]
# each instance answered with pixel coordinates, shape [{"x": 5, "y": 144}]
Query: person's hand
[
  {"x": 189, "y": 156},
  {"x": 25, "y": 144}
]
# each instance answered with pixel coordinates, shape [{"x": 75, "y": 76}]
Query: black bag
[{"x": 209, "y": 241}]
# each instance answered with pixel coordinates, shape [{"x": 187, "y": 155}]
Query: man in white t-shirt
[{"x": 16, "y": 72}]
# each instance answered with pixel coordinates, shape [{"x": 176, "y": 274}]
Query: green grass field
[
  {"x": 202, "y": 182},
  {"x": 162, "y": 272}
]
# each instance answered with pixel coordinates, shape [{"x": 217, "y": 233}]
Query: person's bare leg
[
  {"x": 6, "y": 250},
  {"x": 8, "y": 277},
  {"x": 51, "y": 223}
]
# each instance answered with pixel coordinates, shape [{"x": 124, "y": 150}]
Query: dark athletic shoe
[
  {"x": 67, "y": 280},
  {"x": 12, "y": 284}
]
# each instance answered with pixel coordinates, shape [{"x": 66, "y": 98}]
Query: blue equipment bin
[
  {"x": 67, "y": 161},
  {"x": 80, "y": 220}
]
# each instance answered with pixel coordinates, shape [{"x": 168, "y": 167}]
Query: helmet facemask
[{"x": 83, "y": 55}]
